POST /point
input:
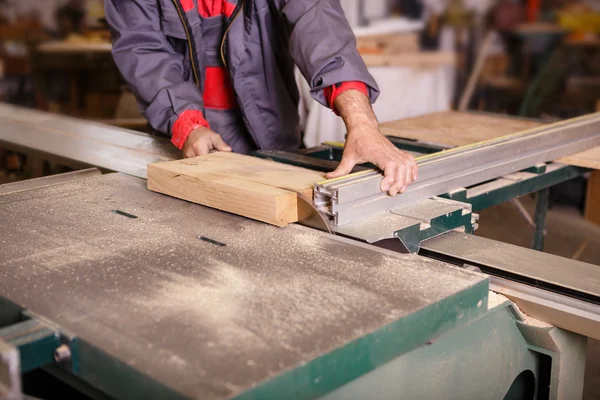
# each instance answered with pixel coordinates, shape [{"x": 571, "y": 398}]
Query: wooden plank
[
  {"x": 423, "y": 59},
  {"x": 587, "y": 159},
  {"x": 249, "y": 186},
  {"x": 592, "y": 206},
  {"x": 452, "y": 128},
  {"x": 388, "y": 43}
]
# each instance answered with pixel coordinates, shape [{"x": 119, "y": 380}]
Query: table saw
[{"x": 125, "y": 293}]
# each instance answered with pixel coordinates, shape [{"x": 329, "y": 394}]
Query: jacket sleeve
[
  {"x": 323, "y": 46},
  {"x": 152, "y": 67}
]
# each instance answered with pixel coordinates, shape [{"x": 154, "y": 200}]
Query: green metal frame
[
  {"x": 457, "y": 341},
  {"x": 93, "y": 371},
  {"x": 323, "y": 374},
  {"x": 101, "y": 373},
  {"x": 548, "y": 354},
  {"x": 413, "y": 236}
]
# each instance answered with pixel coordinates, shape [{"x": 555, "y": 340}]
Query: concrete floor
[{"x": 568, "y": 235}]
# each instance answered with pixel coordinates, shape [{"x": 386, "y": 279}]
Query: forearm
[
  {"x": 323, "y": 46},
  {"x": 150, "y": 65},
  {"x": 356, "y": 110},
  {"x": 366, "y": 144}
]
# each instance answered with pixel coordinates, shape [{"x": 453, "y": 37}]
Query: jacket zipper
[
  {"x": 191, "y": 44},
  {"x": 189, "y": 36},
  {"x": 236, "y": 13}
]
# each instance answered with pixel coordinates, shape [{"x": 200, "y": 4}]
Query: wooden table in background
[
  {"x": 459, "y": 129},
  {"x": 95, "y": 82}
]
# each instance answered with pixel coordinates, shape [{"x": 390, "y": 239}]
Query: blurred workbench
[
  {"x": 85, "y": 66},
  {"x": 453, "y": 129}
]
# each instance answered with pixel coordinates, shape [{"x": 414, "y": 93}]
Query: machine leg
[{"x": 541, "y": 209}]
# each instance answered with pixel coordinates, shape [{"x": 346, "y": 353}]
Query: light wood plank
[
  {"x": 422, "y": 59},
  {"x": 587, "y": 159},
  {"x": 260, "y": 202},
  {"x": 249, "y": 186},
  {"x": 592, "y": 207},
  {"x": 249, "y": 168},
  {"x": 454, "y": 128}
]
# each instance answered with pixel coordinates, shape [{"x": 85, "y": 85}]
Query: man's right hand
[{"x": 202, "y": 141}]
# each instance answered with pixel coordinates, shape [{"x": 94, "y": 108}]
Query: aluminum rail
[
  {"x": 553, "y": 289},
  {"x": 357, "y": 196},
  {"x": 80, "y": 143}
]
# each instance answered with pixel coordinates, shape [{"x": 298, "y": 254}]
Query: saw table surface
[{"x": 214, "y": 318}]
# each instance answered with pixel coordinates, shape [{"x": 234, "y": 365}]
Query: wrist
[
  {"x": 360, "y": 123},
  {"x": 356, "y": 111},
  {"x": 185, "y": 124},
  {"x": 332, "y": 92}
]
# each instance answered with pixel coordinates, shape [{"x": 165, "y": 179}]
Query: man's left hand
[{"x": 365, "y": 143}]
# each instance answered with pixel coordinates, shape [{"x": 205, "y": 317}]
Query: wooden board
[
  {"x": 592, "y": 207},
  {"x": 260, "y": 189},
  {"x": 388, "y": 43},
  {"x": 422, "y": 59},
  {"x": 453, "y": 129},
  {"x": 587, "y": 159}
]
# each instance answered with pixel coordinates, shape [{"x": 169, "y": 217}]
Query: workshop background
[{"x": 533, "y": 59}]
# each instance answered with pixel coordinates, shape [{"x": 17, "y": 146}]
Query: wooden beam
[
  {"x": 592, "y": 207},
  {"x": 423, "y": 59},
  {"x": 249, "y": 186}
]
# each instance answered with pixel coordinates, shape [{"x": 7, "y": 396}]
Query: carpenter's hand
[
  {"x": 367, "y": 144},
  {"x": 202, "y": 141}
]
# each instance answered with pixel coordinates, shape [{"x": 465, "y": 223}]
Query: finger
[
  {"x": 414, "y": 169},
  {"x": 389, "y": 172},
  {"x": 201, "y": 148},
  {"x": 408, "y": 178},
  {"x": 400, "y": 180},
  {"x": 218, "y": 143},
  {"x": 344, "y": 168}
]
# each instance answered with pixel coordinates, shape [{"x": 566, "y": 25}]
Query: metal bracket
[
  {"x": 39, "y": 343},
  {"x": 414, "y": 224}
]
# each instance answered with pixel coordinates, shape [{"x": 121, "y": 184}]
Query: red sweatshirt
[{"x": 218, "y": 91}]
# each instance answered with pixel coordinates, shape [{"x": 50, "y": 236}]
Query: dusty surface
[{"x": 210, "y": 320}]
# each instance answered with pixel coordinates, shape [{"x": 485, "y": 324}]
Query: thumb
[
  {"x": 218, "y": 143},
  {"x": 344, "y": 168}
]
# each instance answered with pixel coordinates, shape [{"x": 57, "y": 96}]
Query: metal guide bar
[
  {"x": 557, "y": 290},
  {"x": 559, "y": 310},
  {"x": 359, "y": 196}
]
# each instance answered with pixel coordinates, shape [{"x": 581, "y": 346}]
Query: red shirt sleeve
[
  {"x": 332, "y": 92},
  {"x": 185, "y": 124}
]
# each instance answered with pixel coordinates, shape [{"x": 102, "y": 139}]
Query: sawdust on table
[
  {"x": 495, "y": 299},
  {"x": 271, "y": 298}
]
